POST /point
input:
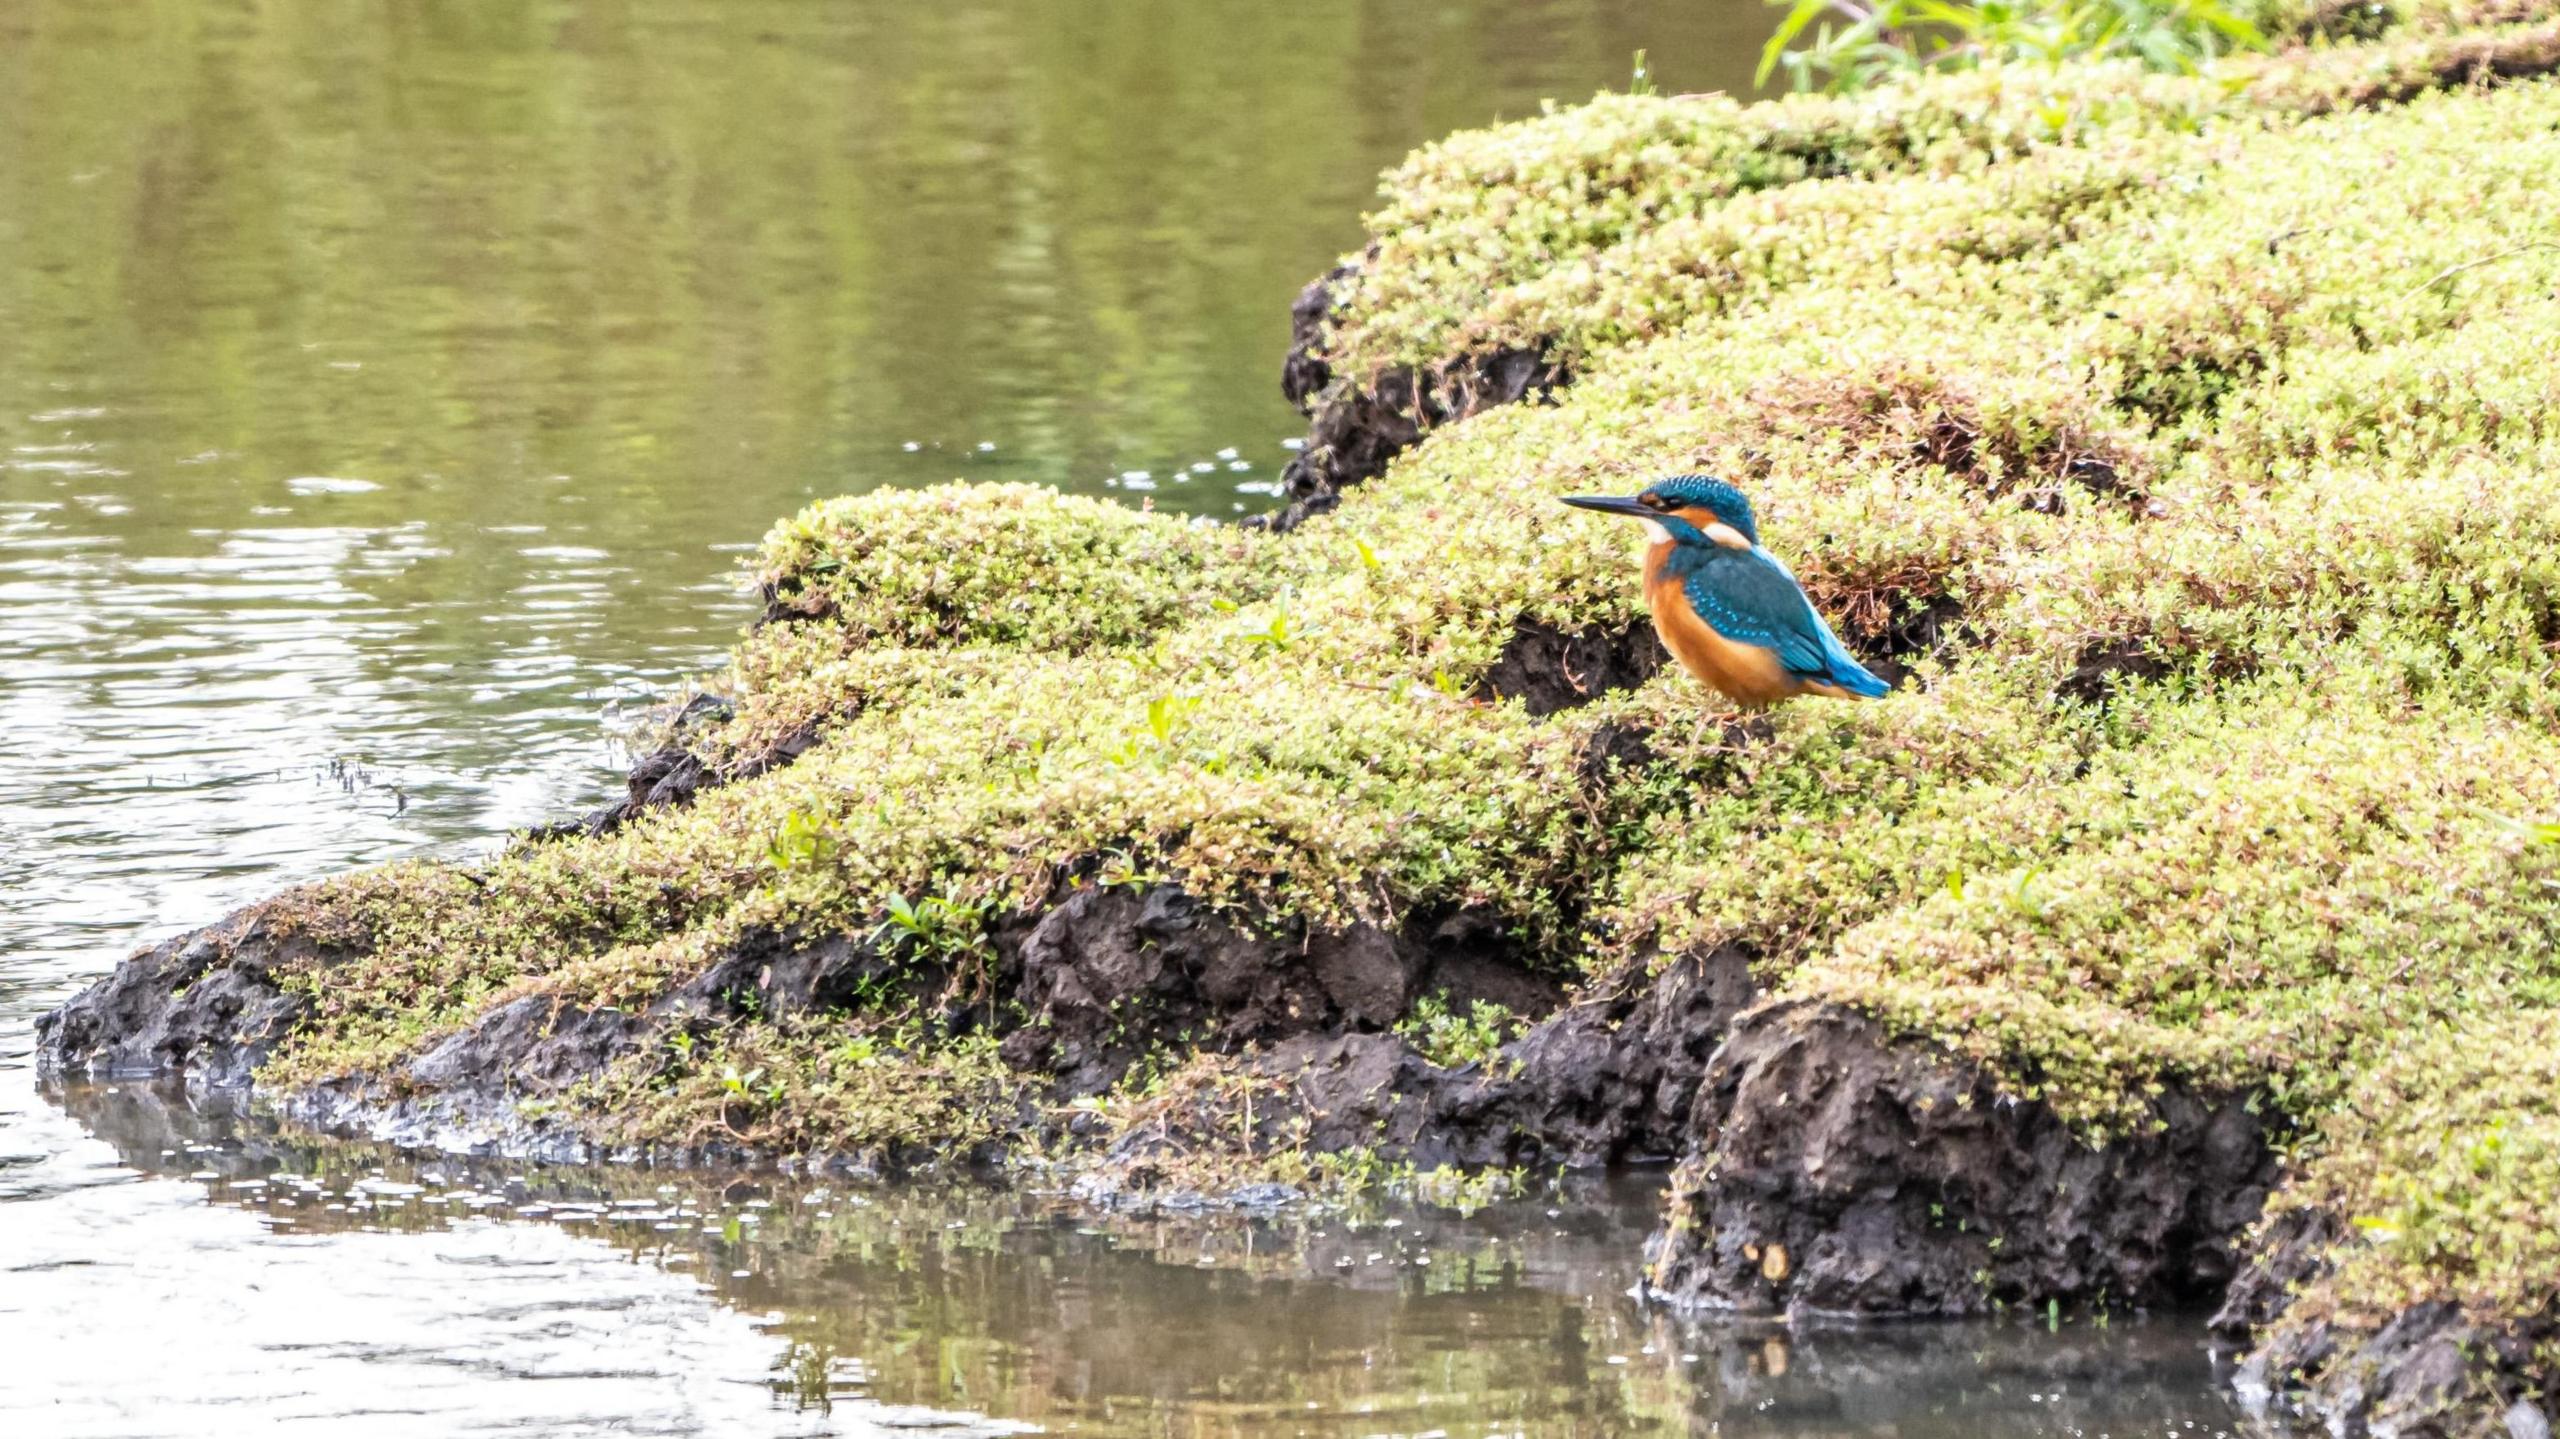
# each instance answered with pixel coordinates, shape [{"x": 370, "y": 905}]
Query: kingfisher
[{"x": 1727, "y": 609}]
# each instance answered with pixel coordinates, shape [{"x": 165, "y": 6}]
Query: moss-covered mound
[
  {"x": 2186, "y": 447},
  {"x": 1505, "y": 258}
]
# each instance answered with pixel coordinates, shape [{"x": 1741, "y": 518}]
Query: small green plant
[
  {"x": 2533, "y": 832},
  {"x": 947, "y": 930},
  {"x": 1275, "y": 633},
  {"x": 802, "y": 841},
  {"x": 1166, "y": 714},
  {"x": 868, "y": 993},
  {"x": 1121, "y": 868},
  {"x": 1465, "y": 1191},
  {"x": 1853, "y": 44},
  {"x": 941, "y": 925},
  {"x": 2021, "y": 897},
  {"x": 1452, "y": 1040},
  {"x": 751, "y": 1086},
  {"x": 1360, "y": 1179}
]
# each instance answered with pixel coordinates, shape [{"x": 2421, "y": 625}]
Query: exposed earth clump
[
  {"x": 672, "y": 772},
  {"x": 1549, "y": 669},
  {"x": 1100, "y": 978},
  {"x": 1359, "y": 423},
  {"x": 207, "y": 1006},
  {"x": 1840, "y": 1173},
  {"x": 2185, "y": 928}
]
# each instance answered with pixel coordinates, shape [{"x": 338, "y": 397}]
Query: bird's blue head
[{"x": 1691, "y": 509}]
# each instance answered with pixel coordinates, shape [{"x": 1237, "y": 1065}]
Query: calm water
[
  {"x": 386, "y": 393},
  {"x": 443, "y": 1296}
]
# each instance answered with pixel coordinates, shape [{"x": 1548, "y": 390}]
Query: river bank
[{"x": 2181, "y": 931}]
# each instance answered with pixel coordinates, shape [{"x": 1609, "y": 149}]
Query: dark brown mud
[
  {"x": 1357, "y": 423},
  {"x": 1105, "y": 974},
  {"x": 206, "y": 1007},
  {"x": 1837, "y": 1171},
  {"x": 1549, "y": 669},
  {"x": 1606, "y": 1080},
  {"x": 2430, "y": 1373}
]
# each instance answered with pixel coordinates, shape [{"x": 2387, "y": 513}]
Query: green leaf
[
  {"x": 2531, "y": 831},
  {"x": 1800, "y": 15}
]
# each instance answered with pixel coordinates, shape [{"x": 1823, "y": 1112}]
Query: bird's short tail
[
  {"x": 1846, "y": 672},
  {"x": 1854, "y": 678}
]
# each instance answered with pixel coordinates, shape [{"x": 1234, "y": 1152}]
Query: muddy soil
[{"x": 1357, "y": 423}]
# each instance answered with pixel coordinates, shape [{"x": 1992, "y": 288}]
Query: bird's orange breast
[{"x": 1745, "y": 674}]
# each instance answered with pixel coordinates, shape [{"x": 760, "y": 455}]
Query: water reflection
[
  {"x": 889, "y": 1301},
  {"x": 139, "y": 1309}
]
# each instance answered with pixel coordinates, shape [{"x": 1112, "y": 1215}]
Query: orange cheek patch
[{"x": 1714, "y": 529}]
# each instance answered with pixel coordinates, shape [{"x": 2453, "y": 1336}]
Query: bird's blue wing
[{"x": 1749, "y": 596}]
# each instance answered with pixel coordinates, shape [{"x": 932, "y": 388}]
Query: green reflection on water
[
  {"x": 654, "y": 273},
  {"x": 438, "y": 358},
  {"x": 1375, "y": 1320}
]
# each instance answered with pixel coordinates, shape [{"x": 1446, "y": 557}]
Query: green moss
[
  {"x": 2257, "y": 903},
  {"x": 1632, "y": 213},
  {"x": 2442, "y": 1162},
  {"x": 1626, "y": 216},
  {"x": 2188, "y": 443},
  {"x": 997, "y": 564},
  {"x": 802, "y": 1084}
]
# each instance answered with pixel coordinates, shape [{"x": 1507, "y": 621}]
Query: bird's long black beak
[{"x": 1610, "y": 505}]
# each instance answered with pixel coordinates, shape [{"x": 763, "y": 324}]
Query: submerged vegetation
[{"x": 2184, "y": 442}]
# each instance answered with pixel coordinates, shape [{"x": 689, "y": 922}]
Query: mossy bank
[{"x": 2186, "y": 928}]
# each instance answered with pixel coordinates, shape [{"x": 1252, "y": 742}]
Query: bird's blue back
[{"x": 1749, "y": 595}]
